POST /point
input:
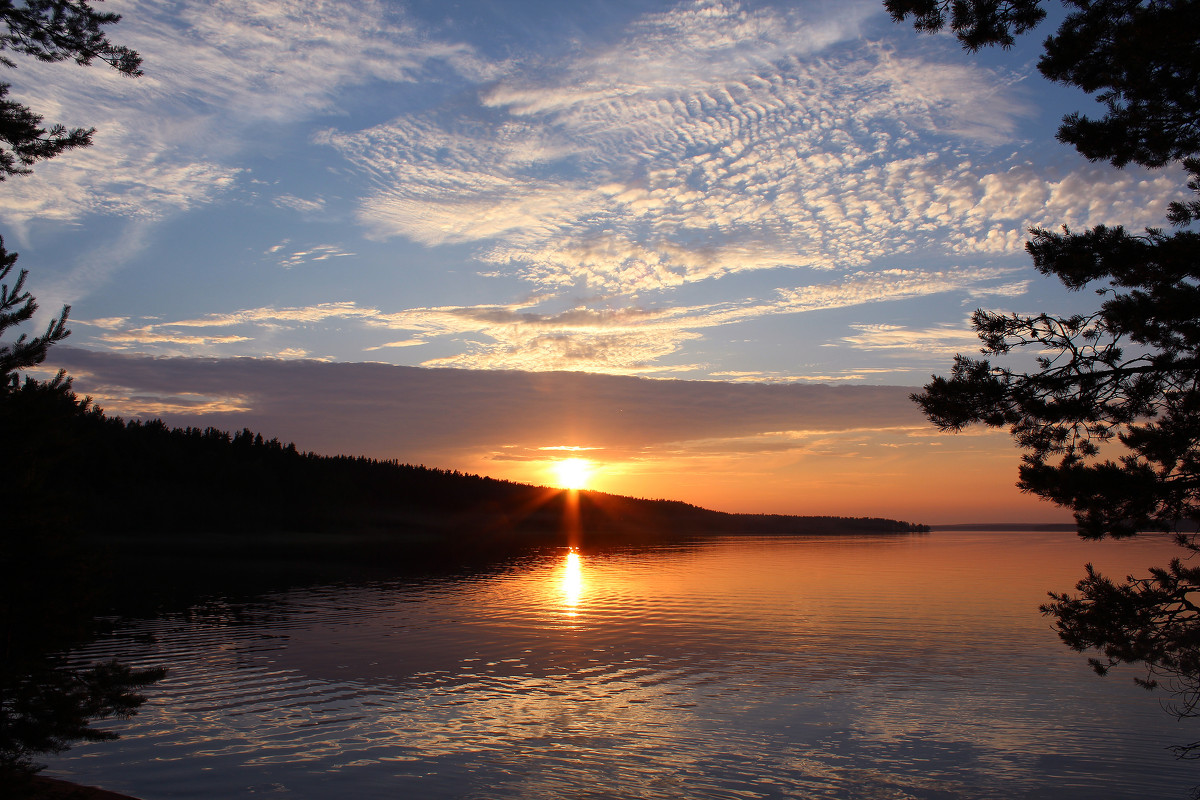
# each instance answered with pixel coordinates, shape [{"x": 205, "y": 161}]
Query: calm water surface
[{"x": 823, "y": 667}]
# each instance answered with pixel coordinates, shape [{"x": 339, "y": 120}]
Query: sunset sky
[{"x": 759, "y": 225}]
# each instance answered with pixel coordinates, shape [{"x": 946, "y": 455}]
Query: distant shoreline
[
  {"x": 1048, "y": 527},
  {"x": 1044, "y": 527}
]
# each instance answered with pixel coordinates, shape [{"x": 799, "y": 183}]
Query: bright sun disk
[{"x": 573, "y": 473}]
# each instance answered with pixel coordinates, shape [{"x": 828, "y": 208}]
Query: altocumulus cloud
[
  {"x": 709, "y": 141},
  {"x": 605, "y": 204},
  {"x": 713, "y": 140}
]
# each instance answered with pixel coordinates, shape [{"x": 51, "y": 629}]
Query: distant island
[{"x": 166, "y": 489}]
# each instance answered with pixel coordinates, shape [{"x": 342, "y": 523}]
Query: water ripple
[{"x": 737, "y": 669}]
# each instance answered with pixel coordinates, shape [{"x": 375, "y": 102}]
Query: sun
[{"x": 572, "y": 473}]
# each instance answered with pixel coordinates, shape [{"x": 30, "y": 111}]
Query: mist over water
[{"x": 828, "y": 667}]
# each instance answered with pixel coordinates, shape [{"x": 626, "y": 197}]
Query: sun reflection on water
[{"x": 572, "y": 582}]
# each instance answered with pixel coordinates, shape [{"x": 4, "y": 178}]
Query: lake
[{"x": 894, "y": 666}]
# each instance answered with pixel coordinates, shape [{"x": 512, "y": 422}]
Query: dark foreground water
[{"x": 824, "y": 667}]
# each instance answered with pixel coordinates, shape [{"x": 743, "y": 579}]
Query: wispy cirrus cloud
[
  {"x": 248, "y": 331},
  {"x": 398, "y": 343},
  {"x": 165, "y": 142},
  {"x": 629, "y": 339},
  {"x": 301, "y": 204},
  {"x": 287, "y": 255},
  {"x": 343, "y": 309},
  {"x": 760, "y": 376},
  {"x": 943, "y": 340}
]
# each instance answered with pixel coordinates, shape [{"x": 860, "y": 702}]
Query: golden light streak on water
[{"x": 572, "y": 582}]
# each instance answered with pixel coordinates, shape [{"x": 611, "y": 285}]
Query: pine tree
[
  {"x": 17, "y": 306},
  {"x": 52, "y": 31},
  {"x": 1110, "y": 422}
]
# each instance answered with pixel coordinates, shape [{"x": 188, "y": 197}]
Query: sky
[{"x": 404, "y": 229}]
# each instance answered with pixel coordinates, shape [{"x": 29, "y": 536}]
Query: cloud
[
  {"x": 400, "y": 343},
  {"x": 301, "y": 52},
  {"x": 268, "y": 316},
  {"x": 765, "y": 148},
  {"x": 95, "y": 267},
  {"x": 634, "y": 339},
  {"x": 674, "y": 132},
  {"x": 294, "y": 352},
  {"x": 289, "y": 257},
  {"x": 946, "y": 98},
  {"x": 689, "y": 49},
  {"x": 886, "y": 285},
  {"x": 944, "y": 340},
  {"x": 214, "y": 72},
  {"x": 711, "y": 140},
  {"x": 409, "y": 412},
  {"x": 534, "y": 335},
  {"x": 616, "y": 265},
  {"x": 303, "y": 205},
  {"x": 252, "y": 330},
  {"x": 150, "y": 336},
  {"x": 759, "y": 376}
]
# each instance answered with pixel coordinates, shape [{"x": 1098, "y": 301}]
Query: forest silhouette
[{"x": 170, "y": 487}]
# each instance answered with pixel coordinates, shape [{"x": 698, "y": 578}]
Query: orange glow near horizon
[{"x": 908, "y": 474}]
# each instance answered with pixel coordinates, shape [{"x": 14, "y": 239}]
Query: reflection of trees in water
[
  {"x": 48, "y": 707},
  {"x": 48, "y": 600}
]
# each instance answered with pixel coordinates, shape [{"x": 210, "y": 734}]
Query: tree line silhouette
[{"x": 110, "y": 476}]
